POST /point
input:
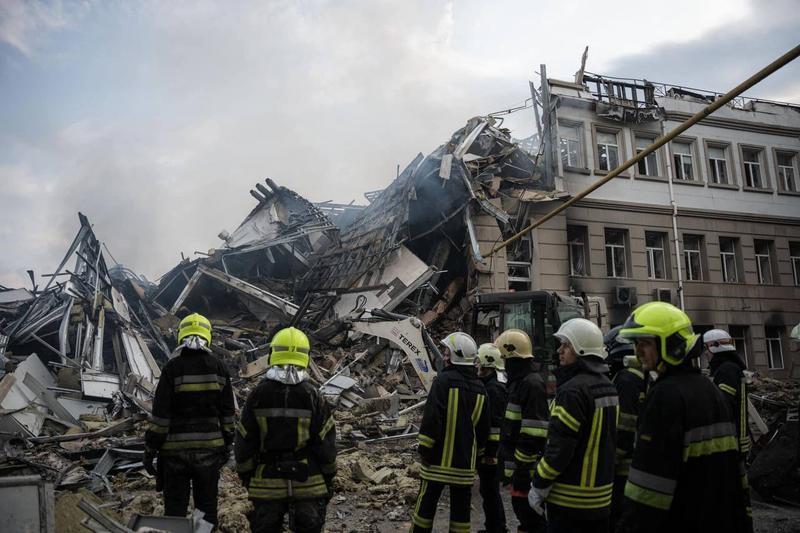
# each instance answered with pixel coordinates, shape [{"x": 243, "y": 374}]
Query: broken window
[
  {"x": 654, "y": 248},
  {"x": 692, "y": 257},
  {"x": 718, "y": 164},
  {"x": 763, "y": 261},
  {"x": 570, "y": 145},
  {"x": 753, "y": 174},
  {"x": 649, "y": 165},
  {"x": 794, "y": 258},
  {"x": 683, "y": 159},
  {"x": 727, "y": 252},
  {"x": 616, "y": 264},
  {"x": 772, "y": 336},
  {"x": 739, "y": 335},
  {"x": 578, "y": 250},
  {"x": 607, "y": 150},
  {"x": 787, "y": 171}
]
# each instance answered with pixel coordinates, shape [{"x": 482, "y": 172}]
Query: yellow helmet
[
  {"x": 289, "y": 346},
  {"x": 514, "y": 343},
  {"x": 489, "y": 356},
  {"x": 666, "y": 323},
  {"x": 195, "y": 324}
]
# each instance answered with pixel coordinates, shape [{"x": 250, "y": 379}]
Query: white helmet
[
  {"x": 462, "y": 348},
  {"x": 718, "y": 340},
  {"x": 489, "y": 356},
  {"x": 584, "y": 336}
]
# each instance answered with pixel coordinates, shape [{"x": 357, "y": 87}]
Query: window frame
[
  {"x": 618, "y": 133},
  {"x": 708, "y": 144},
  {"x": 697, "y": 177},
  {"x": 688, "y": 251},
  {"x": 733, "y": 330},
  {"x": 580, "y": 126},
  {"x": 794, "y": 260},
  {"x": 761, "y": 256},
  {"x": 614, "y": 249},
  {"x": 735, "y": 254},
  {"x": 584, "y": 246},
  {"x": 762, "y": 165},
  {"x": 795, "y": 167},
  {"x": 650, "y": 136},
  {"x": 768, "y": 342},
  {"x": 650, "y": 255}
]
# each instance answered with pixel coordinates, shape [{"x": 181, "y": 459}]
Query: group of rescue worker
[{"x": 635, "y": 439}]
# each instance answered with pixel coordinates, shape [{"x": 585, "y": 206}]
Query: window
[
  {"x": 616, "y": 264},
  {"x": 570, "y": 145},
  {"x": 718, "y": 164},
  {"x": 654, "y": 247},
  {"x": 772, "y": 336},
  {"x": 727, "y": 252},
  {"x": 763, "y": 266},
  {"x": 692, "y": 258},
  {"x": 682, "y": 156},
  {"x": 518, "y": 261},
  {"x": 739, "y": 336},
  {"x": 753, "y": 171},
  {"x": 787, "y": 175},
  {"x": 649, "y": 165},
  {"x": 794, "y": 258},
  {"x": 578, "y": 250},
  {"x": 607, "y": 150}
]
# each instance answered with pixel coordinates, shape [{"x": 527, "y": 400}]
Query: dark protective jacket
[
  {"x": 497, "y": 396},
  {"x": 578, "y": 461},
  {"x": 525, "y": 420},
  {"x": 455, "y": 426},
  {"x": 286, "y": 442},
  {"x": 193, "y": 407},
  {"x": 631, "y": 386},
  {"x": 727, "y": 372},
  {"x": 687, "y": 474}
]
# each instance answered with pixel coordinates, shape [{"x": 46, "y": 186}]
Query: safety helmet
[
  {"x": 289, "y": 346},
  {"x": 195, "y": 324},
  {"x": 462, "y": 348},
  {"x": 584, "y": 336},
  {"x": 616, "y": 350},
  {"x": 514, "y": 343},
  {"x": 489, "y": 356},
  {"x": 718, "y": 340},
  {"x": 669, "y": 325}
]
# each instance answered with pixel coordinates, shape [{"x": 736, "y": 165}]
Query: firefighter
[
  {"x": 452, "y": 435},
  {"x": 490, "y": 371},
  {"x": 687, "y": 474},
  {"x": 575, "y": 475},
  {"x": 192, "y": 425},
  {"x": 286, "y": 442},
  {"x": 524, "y": 424},
  {"x": 727, "y": 371},
  {"x": 631, "y": 384}
]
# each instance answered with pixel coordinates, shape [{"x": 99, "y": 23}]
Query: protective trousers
[
  {"x": 495, "y": 515},
  {"x": 196, "y": 471},
  {"x": 428, "y": 498},
  {"x": 561, "y": 520},
  {"x": 305, "y": 516}
]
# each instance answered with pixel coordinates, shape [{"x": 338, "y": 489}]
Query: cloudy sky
[{"x": 156, "y": 118}]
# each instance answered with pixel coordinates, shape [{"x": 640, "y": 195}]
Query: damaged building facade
[{"x": 735, "y": 182}]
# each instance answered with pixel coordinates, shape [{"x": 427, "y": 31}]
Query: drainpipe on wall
[{"x": 674, "y": 205}]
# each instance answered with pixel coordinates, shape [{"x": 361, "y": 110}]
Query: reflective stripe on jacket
[
  {"x": 525, "y": 422},
  {"x": 631, "y": 385}
]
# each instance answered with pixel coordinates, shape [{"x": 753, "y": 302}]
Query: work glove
[
  {"x": 149, "y": 456},
  {"x": 536, "y": 498},
  {"x": 224, "y": 455}
]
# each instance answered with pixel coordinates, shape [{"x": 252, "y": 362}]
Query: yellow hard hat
[
  {"x": 195, "y": 324},
  {"x": 664, "y": 322},
  {"x": 515, "y": 343},
  {"x": 489, "y": 356},
  {"x": 289, "y": 346}
]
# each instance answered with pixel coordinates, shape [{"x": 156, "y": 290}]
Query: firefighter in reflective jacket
[
  {"x": 490, "y": 472},
  {"x": 191, "y": 428},
  {"x": 286, "y": 442},
  {"x": 631, "y": 384},
  {"x": 452, "y": 436},
  {"x": 687, "y": 474},
  {"x": 727, "y": 371},
  {"x": 576, "y": 473},
  {"x": 524, "y": 425}
]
